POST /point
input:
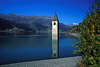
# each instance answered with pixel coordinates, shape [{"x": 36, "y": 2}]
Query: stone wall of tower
[{"x": 55, "y": 30}]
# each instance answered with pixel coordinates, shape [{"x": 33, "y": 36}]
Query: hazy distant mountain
[
  {"x": 4, "y": 24},
  {"x": 36, "y": 23}
]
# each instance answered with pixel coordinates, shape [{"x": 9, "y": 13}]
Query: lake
[{"x": 21, "y": 48}]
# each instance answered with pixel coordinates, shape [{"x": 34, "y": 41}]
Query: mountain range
[{"x": 29, "y": 23}]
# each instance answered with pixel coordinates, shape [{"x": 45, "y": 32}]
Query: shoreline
[
  {"x": 60, "y": 62},
  {"x": 77, "y": 35}
]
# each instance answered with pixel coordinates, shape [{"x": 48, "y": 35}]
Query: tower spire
[{"x": 55, "y": 17}]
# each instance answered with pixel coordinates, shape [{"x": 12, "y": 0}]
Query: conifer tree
[{"x": 89, "y": 41}]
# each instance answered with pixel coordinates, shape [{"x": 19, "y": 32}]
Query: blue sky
[{"x": 68, "y": 11}]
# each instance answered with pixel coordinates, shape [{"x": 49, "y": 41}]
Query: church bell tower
[
  {"x": 55, "y": 28},
  {"x": 55, "y": 37}
]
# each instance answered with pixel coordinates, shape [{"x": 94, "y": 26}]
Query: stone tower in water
[
  {"x": 55, "y": 37},
  {"x": 55, "y": 28}
]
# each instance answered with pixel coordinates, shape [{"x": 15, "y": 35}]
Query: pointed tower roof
[{"x": 55, "y": 17}]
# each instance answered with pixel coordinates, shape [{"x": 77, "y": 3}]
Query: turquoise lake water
[{"x": 23, "y": 48}]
